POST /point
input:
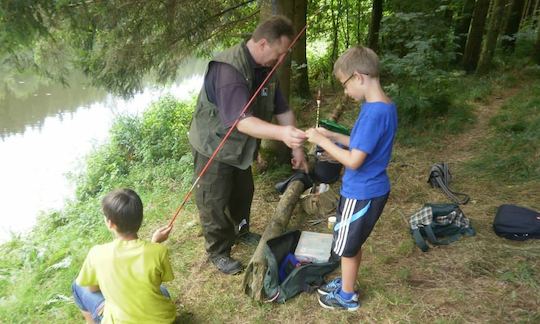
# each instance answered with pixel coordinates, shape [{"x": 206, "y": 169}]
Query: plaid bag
[{"x": 440, "y": 224}]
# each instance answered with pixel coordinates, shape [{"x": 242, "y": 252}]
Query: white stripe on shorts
[{"x": 348, "y": 211}]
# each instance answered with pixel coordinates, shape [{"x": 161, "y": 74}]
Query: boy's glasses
[{"x": 344, "y": 84}]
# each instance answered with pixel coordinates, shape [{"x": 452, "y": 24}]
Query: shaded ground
[{"x": 478, "y": 279}]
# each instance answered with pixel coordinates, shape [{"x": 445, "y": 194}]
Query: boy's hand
[
  {"x": 161, "y": 234},
  {"x": 325, "y": 132},
  {"x": 314, "y": 136}
]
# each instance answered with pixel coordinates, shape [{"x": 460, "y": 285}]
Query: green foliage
[
  {"x": 159, "y": 137},
  {"x": 118, "y": 43},
  {"x": 525, "y": 39},
  {"x": 425, "y": 35},
  {"x": 418, "y": 49}
]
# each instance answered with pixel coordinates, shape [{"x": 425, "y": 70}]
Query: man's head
[
  {"x": 124, "y": 209},
  {"x": 355, "y": 68},
  {"x": 270, "y": 40}
]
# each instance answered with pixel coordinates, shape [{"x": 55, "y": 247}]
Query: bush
[{"x": 138, "y": 143}]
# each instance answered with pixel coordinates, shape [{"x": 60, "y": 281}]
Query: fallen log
[{"x": 256, "y": 269}]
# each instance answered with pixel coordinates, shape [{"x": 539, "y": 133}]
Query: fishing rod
[{"x": 231, "y": 129}]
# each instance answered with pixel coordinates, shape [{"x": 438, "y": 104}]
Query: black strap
[
  {"x": 419, "y": 240},
  {"x": 440, "y": 177}
]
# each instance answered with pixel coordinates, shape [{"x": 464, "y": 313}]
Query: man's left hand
[{"x": 298, "y": 160}]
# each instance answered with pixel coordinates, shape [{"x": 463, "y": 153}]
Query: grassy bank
[{"x": 488, "y": 132}]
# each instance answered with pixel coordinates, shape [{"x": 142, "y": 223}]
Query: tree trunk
[
  {"x": 300, "y": 82},
  {"x": 256, "y": 269},
  {"x": 338, "y": 110},
  {"x": 375, "y": 25},
  {"x": 490, "y": 44},
  {"x": 358, "y": 21},
  {"x": 278, "y": 150},
  {"x": 474, "y": 39},
  {"x": 529, "y": 9},
  {"x": 345, "y": 25},
  {"x": 462, "y": 25},
  {"x": 512, "y": 25},
  {"x": 335, "y": 41},
  {"x": 536, "y": 51}
]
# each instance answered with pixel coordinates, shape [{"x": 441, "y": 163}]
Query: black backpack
[
  {"x": 516, "y": 223},
  {"x": 440, "y": 224},
  {"x": 302, "y": 278}
]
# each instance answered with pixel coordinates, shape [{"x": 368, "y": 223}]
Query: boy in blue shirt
[{"x": 365, "y": 184}]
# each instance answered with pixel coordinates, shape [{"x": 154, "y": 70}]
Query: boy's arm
[{"x": 351, "y": 159}]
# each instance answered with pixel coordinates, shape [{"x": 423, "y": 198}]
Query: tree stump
[{"x": 256, "y": 269}]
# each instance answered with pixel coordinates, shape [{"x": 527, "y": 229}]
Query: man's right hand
[{"x": 293, "y": 137}]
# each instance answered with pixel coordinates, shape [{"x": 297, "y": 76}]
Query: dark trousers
[{"x": 223, "y": 196}]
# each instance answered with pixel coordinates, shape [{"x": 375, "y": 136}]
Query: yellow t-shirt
[{"x": 129, "y": 274}]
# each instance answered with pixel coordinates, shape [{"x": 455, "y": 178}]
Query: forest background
[{"x": 465, "y": 75}]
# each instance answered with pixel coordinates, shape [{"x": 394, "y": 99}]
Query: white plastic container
[{"x": 313, "y": 247}]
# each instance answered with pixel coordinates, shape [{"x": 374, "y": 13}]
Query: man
[{"x": 224, "y": 194}]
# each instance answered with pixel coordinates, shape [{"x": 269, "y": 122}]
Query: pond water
[{"x": 47, "y": 129}]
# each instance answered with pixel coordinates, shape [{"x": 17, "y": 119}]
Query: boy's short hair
[
  {"x": 358, "y": 59},
  {"x": 124, "y": 208},
  {"x": 273, "y": 28}
]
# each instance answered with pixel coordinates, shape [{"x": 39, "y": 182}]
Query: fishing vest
[{"x": 207, "y": 130}]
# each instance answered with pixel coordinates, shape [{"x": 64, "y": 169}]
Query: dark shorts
[{"x": 355, "y": 221}]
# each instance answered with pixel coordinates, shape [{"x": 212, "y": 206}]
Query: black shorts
[{"x": 355, "y": 221}]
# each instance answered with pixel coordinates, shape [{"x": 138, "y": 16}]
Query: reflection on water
[
  {"x": 31, "y": 104},
  {"x": 46, "y": 132}
]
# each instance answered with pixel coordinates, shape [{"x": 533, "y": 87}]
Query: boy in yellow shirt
[{"x": 120, "y": 281}]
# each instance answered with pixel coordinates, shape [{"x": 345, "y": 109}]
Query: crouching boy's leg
[{"x": 90, "y": 303}]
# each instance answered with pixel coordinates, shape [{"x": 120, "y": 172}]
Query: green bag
[
  {"x": 334, "y": 127},
  {"x": 303, "y": 278},
  {"x": 440, "y": 224}
]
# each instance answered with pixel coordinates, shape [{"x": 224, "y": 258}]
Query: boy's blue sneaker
[
  {"x": 333, "y": 285},
  {"x": 333, "y": 300}
]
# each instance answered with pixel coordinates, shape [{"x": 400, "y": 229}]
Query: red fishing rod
[{"x": 231, "y": 129}]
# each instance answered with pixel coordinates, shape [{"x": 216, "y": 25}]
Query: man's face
[{"x": 272, "y": 52}]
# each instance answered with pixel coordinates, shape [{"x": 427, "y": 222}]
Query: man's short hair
[
  {"x": 124, "y": 208},
  {"x": 358, "y": 59},
  {"x": 273, "y": 28}
]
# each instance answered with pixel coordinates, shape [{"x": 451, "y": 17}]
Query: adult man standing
[{"x": 224, "y": 194}]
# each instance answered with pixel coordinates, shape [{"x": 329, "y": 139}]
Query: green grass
[{"x": 512, "y": 153}]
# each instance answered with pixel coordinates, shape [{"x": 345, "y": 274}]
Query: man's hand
[
  {"x": 298, "y": 160},
  {"x": 293, "y": 137},
  {"x": 161, "y": 234}
]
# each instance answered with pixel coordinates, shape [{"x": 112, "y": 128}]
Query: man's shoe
[
  {"x": 333, "y": 300},
  {"x": 333, "y": 285},
  {"x": 248, "y": 238},
  {"x": 226, "y": 264}
]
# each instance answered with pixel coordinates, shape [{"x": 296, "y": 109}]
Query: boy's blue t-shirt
[{"x": 373, "y": 133}]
